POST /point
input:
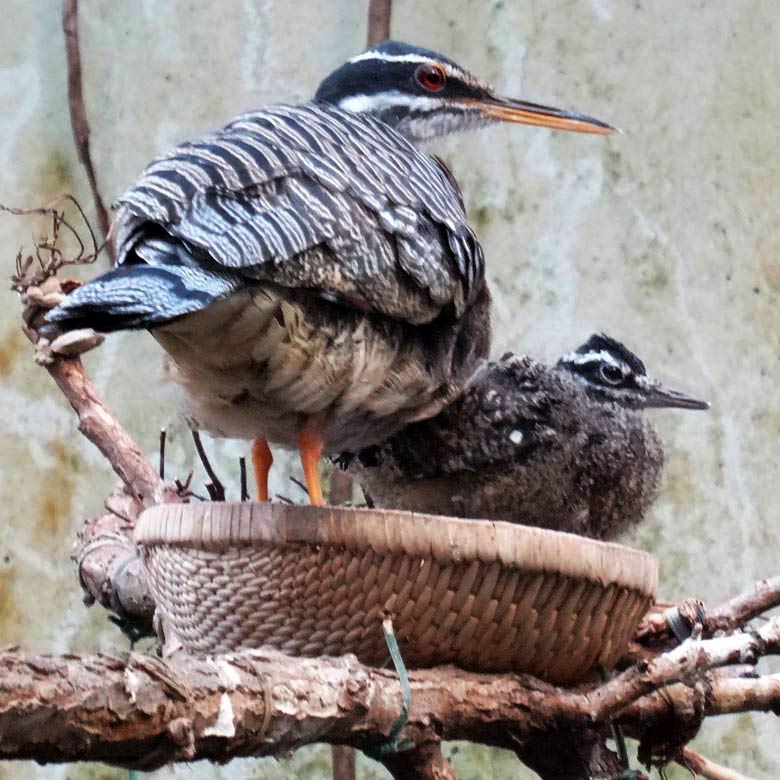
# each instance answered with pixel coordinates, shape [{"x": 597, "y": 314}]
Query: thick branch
[
  {"x": 681, "y": 664},
  {"x": 139, "y": 711},
  {"x": 110, "y": 571}
]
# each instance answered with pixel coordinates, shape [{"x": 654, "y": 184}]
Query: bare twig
[
  {"x": 161, "y": 470},
  {"x": 733, "y": 614},
  {"x": 709, "y": 770},
  {"x": 78, "y": 113},
  {"x": 215, "y": 488},
  {"x": 736, "y": 612},
  {"x": 378, "y": 20},
  {"x": 242, "y": 479},
  {"x": 299, "y": 484},
  {"x": 681, "y": 664},
  {"x": 47, "y": 257}
]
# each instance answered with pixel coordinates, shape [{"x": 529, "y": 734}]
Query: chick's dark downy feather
[{"x": 525, "y": 443}]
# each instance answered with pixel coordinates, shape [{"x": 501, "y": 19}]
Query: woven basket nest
[{"x": 487, "y": 596}]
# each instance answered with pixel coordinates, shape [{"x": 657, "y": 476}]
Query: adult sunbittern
[
  {"x": 310, "y": 273},
  {"x": 561, "y": 446}
]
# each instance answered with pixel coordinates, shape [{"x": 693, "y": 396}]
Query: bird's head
[
  {"x": 423, "y": 95},
  {"x": 611, "y": 372}
]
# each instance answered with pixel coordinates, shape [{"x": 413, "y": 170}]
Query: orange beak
[{"x": 521, "y": 112}]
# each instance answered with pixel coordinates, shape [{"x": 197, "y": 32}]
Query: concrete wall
[{"x": 666, "y": 236}]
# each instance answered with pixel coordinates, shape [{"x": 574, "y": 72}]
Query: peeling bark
[{"x": 139, "y": 711}]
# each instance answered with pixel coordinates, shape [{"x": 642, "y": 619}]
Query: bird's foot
[{"x": 310, "y": 446}]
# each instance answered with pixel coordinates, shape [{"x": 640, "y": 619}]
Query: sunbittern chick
[
  {"x": 564, "y": 447},
  {"x": 310, "y": 273}
]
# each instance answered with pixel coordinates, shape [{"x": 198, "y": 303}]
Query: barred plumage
[
  {"x": 311, "y": 274},
  {"x": 278, "y": 183}
]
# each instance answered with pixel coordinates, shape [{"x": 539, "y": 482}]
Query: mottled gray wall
[{"x": 666, "y": 236}]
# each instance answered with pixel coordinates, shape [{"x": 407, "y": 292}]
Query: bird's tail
[{"x": 141, "y": 295}]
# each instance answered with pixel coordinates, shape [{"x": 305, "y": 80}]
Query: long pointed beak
[
  {"x": 660, "y": 397},
  {"x": 522, "y": 112}
]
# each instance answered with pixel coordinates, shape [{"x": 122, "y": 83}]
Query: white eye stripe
[
  {"x": 380, "y": 57},
  {"x": 359, "y": 104},
  {"x": 602, "y": 356},
  {"x": 367, "y": 56}
]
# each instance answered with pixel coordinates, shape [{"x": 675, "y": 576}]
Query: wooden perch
[{"x": 139, "y": 711}]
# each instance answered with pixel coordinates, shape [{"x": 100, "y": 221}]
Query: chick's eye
[
  {"x": 611, "y": 374},
  {"x": 430, "y": 77}
]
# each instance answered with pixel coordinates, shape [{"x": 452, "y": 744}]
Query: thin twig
[
  {"x": 763, "y": 596},
  {"x": 705, "y": 768},
  {"x": 734, "y": 614},
  {"x": 46, "y": 249},
  {"x": 78, "y": 112},
  {"x": 162, "y": 454},
  {"x": 242, "y": 473},
  {"x": 215, "y": 487},
  {"x": 300, "y": 484}
]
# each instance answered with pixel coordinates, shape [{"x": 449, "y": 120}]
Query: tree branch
[
  {"x": 682, "y": 664},
  {"x": 109, "y": 569},
  {"x": 78, "y": 112},
  {"x": 655, "y": 631},
  {"x": 709, "y": 770},
  {"x": 379, "y": 12},
  {"x": 135, "y": 710}
]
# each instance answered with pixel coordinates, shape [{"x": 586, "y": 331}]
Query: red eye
[{"x": 430, "y": 77}]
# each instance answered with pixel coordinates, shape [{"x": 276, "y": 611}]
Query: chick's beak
[
  {"x": 658, "y": 396},
  {"x": 522, "y": 112}
]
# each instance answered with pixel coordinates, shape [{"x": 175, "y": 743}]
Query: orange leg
[
  {"x": 261, "y": 462},
  {"x": 310, "y": 445}
]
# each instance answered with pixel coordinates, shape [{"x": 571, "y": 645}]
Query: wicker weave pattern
[{"x": 219, "y": 593}]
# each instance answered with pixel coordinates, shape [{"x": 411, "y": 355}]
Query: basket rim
[{"x": 218, "y": 526}]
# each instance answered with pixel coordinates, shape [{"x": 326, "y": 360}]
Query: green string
[
  {"x": 392, "y": 744},
  {"x": 620, "y": 741}
]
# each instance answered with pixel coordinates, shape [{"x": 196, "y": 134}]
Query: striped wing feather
[{"x": 314, "y": 197}]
